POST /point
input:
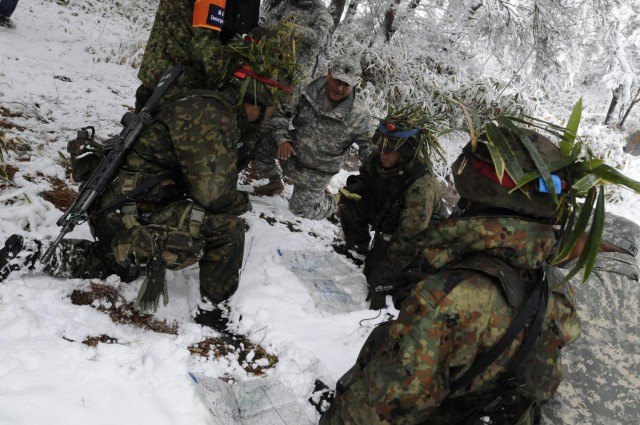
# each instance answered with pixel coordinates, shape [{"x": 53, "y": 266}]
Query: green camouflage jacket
[
  {"x": 404, "y": 370},
  {"x": 174, "y": 41},
  {"x": 408, "y": 215},
  {"x": 323, "y": 135}
]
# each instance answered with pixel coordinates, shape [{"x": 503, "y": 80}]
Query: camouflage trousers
[
  {"x": 217, "y": 246},
  {"x": 310, "y": 198}
]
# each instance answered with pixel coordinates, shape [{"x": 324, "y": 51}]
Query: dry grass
[{"x": 118, "y": 309}]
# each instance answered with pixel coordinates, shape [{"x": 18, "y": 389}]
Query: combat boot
[
  {"x": 274, "y": 187},
  {"x": 18, "y": 254},
  {"x": 214, "y": 316}
]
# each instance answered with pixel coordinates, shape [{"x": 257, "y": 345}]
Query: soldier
[
  {"x": 608, "y": 308},
  {"x": 457, "y": 352},
  {"x": 328, "y": 119},
  {"x": 396, "y": 194},
  {"x": 313, "y": 27},
  {"x": 189, "y": 211}
]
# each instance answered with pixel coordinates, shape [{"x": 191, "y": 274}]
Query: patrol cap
[
  {"x": 622, "y": 233},
  {"x": 347, "y": 69}
]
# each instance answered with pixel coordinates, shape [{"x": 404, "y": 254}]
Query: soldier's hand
[{"x": 285, "y": 150}]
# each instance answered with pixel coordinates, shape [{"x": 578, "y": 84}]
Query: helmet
[
  {"x": 408, "y": 130},
  {"x": 476, "y": 179},
  {"x": 622, "y": 233}
]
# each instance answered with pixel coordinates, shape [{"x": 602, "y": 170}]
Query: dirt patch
[
  {"x": 60, "y": 196},
  {"x": 93, "y": 341},
  {"x": 108, "y": 300},
  {"x": 253, "y": 358},
  {"x": 272, "y": 220}
]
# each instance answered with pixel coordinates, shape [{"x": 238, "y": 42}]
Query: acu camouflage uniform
[
  {"x": 322, "y": 137},
  {"x": 398, "y": 213},
  {"x": 313, "y": 26},
  {"x": 189, "y": 217},
  {"x": 601, "y": 369},
  {"x": 403, "y": 373}
]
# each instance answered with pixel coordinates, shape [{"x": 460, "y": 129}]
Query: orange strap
[{"x": 209, "y": 14}]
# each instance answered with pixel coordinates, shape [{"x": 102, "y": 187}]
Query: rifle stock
[{"x": 118, "y": 147}]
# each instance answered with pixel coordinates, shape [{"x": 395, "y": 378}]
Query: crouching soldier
[
  {"x": 182, "y": 170},
  {"x": 396, "y": 195},
  {"x": 607, "y": 305},
  {"x": 466, "y": 345}
]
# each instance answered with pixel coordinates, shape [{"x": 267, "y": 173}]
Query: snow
[{"x": 66, "y": 65}]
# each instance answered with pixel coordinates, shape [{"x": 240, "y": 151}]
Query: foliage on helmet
[
  {"x": 579, "y": 201},
  {"x": 410, "y": 126},
  {"x": 270, "y": 60}
]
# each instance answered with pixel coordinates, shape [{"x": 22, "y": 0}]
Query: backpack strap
[{"x": 530, "y": 318}]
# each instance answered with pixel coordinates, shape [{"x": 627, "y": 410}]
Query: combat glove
[{"x": 321, "y": 397}]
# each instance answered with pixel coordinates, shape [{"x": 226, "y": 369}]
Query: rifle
[{"x": 117, "y": 148}]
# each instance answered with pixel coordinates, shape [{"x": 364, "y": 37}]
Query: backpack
[{"x": 514, "y": 401}]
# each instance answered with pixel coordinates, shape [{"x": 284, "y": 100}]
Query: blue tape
[
  {"x": 398, "y": 134},
  {"x": 557, "y": 185}
]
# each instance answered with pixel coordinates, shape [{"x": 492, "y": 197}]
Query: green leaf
[
  {"x": 540, "y": 164},
  {"x": 572, "y": 129},
  {"x": 592, "y": 247},
  {"x": 584, "y": 184},
  {"x": 575, "y": 233},
  {"x": 612, "y": 176}
]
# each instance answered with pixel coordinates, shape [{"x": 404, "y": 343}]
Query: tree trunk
[
  {"x": 633, "y": 103},
  {"x": 351, "y": 10},
  {"x": 613, "y": 104},
  {"x": 389, "y": 18},
  {"x": 336, "y": 8}
]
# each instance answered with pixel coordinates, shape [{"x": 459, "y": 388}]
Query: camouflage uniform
[
  {"x": 407, "y": 215},
  {"x": 173, "y": 40},
  {"x": 192, "y": 213},
  {"x": 404, "y": 370},
  {"x": 322, "y": 138},
  {"x": 598, "y": 386},
  {"x": 314, "y": 25}
]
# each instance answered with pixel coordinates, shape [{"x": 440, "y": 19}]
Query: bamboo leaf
[
  {"x": 584, "y": 184},
  {"x": 577, "y": 230},
  {"x": 467, "y": 114},
  {"x": 611, "y": 175},
  {"x": 592, "y": 246},
  {"x": 572, "y": 129}
]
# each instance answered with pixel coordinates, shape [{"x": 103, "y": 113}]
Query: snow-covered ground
[{"x": 69, "y": 64}]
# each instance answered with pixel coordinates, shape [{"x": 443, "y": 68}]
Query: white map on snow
[
  {"x": 336, "y": 286},
  {"x": 256, "y": 402}
]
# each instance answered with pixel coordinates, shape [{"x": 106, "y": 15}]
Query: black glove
[
  {"x": 321, "y": 397},
  {"x": 404, "y": 285},
  {"x": 378, "y": 296}
]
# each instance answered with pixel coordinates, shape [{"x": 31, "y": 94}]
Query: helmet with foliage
[
  {"x": 262, "y": 68},
  {"x": 477, "y": 179},
  {"x": 410, "y": 130},
  {"x": 507, "y": 166}
]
